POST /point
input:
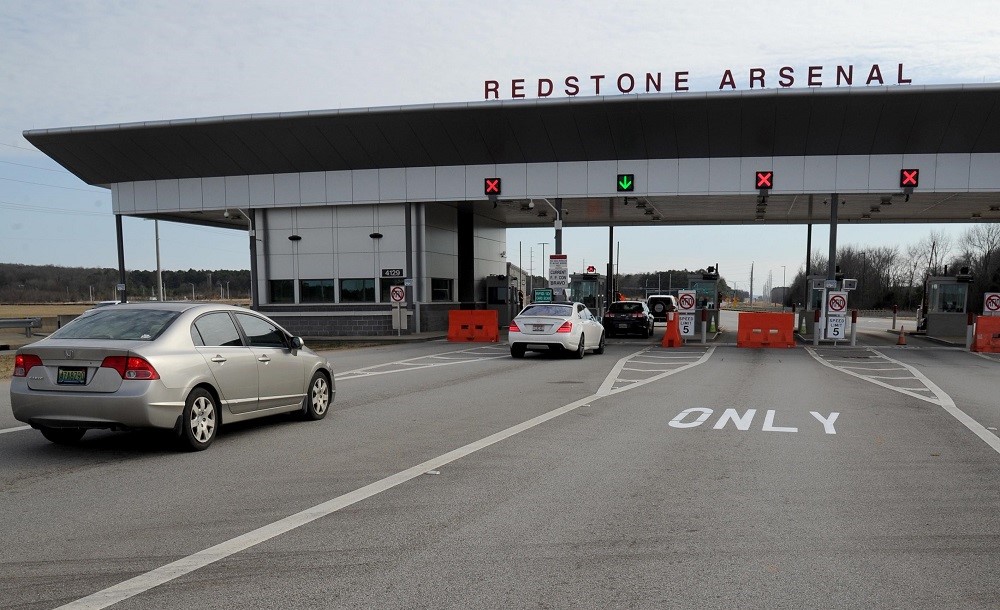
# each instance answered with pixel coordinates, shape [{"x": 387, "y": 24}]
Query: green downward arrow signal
[{"x": 626, "y": 182}]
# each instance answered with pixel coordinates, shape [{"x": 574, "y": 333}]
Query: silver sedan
[{"x": 186, "y": 367}]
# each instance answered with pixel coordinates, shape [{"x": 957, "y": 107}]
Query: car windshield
[
  {"x": 118, "y": 325},
  {"x": 562, "y": 311},
  {"x": 625, "y": 307}
]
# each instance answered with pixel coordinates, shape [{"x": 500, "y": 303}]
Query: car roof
[{"x": 178, "y": 306}]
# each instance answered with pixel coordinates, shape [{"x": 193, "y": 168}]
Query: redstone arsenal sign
[{"x": 653, "y": 82}]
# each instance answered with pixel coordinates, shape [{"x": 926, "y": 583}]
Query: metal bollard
[
  {"x": 704, "y": 326},
  {"x": 895, "y": 310},
  {"x": 970, "y": 330},
  {"x": 816, "y": 329},
  {"x": 854, "y": 327}
]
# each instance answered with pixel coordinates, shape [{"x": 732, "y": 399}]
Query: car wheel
[
  {"x": 317, "y": 400},
  {"x": 517, "y": 351},
  {"x": 580, "y": 349},
  {"x": 63, "y": 436},
  {"x": 600, "y": 346},
  {"x": 199, "y": 420}
]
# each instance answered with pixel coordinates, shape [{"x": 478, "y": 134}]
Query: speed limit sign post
[
  {"x": 836, "y": 315},
  {"x": 686, "y": 300}
]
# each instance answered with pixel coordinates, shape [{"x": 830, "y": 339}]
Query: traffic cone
[
  {"x": 902, "y": 337},
  {"x": 711, "y": 326}
]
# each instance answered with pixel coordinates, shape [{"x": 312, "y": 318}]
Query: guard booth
[
  {"x": 588, "y": 288},
  {"x": 814, "y": 300},
  {"x": 947, "y": 303},
  {"x": 502, "y": 297},
  {"x": 706, "y": 287}
]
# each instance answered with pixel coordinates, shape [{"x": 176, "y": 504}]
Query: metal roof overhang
[{"x": 756, "y": 123}]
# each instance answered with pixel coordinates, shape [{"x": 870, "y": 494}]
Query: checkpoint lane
[
  {"x": 888, "y": 504},
  {"x": 253, "y": 474}
]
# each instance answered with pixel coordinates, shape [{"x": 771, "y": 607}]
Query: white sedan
[{"x": 555, "y": 326}]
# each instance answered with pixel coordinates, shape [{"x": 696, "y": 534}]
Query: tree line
[
  {"x": 54, "y": 284},
  {"x": 897, "y": 275}
]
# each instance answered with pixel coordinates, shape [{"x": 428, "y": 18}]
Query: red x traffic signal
[
  {"x": 909, "y": 177},
  {"x": 764, "y": 180},
  {"x": 492, "y": 186}
]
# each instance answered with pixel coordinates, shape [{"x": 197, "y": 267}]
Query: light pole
[
  {"x": 192, "y": 291},
  {"x": 783, "y": 288},
  {"x": 543, "y": 244}
]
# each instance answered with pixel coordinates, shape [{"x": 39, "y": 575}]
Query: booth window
[
  {"x": 361, "y": 290},
  {"x": 441, "y": 289},
  {"x": 948, "y": 298},
  {"x": 282, "y": 291},
  {"x": 385, "y": 284},
  {"x": 316, "y": 291}
]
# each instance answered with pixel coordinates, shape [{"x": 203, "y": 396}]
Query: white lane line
[
  {"x": 889, "y": 386},
  {"x": 887, "y": 377},
  {"x": 174, "y": 570},
  {"x": 348, "y": 375},
  {"x": 607, "y": 388},
  {"x": 872, "y": 368},
  {"x": 949, "y": 405},
  {"x": 17, "y": 429},
  {"x": 941, "y": 398}
]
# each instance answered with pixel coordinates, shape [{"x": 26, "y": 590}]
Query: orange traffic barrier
[
  {"x": 672, "y": 336},
  {"x": 987, "y": 335},
  {"x": 766, "y": 330},
  {"x": 479, "y": 325},
  {"x": 902, "y": 338}
]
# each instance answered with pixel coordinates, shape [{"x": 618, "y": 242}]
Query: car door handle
[
  {"x": 218, "y": 358},
  {"x": 263, "y": 359}
]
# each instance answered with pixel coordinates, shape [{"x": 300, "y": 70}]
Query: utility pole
[
  {"x": 159, "y": 271},
  {"x": 543, "y": 244},
  {"x": 751, "y": 284}
]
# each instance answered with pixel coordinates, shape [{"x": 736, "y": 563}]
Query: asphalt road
[{"x": 450, "y": 475}]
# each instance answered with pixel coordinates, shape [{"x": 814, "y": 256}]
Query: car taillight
[
  {"x": 131, "y": 367},
  {"x": 24, "y": 362},
  {"x": 638, "y": 315},
  {"x": 567, "y": 327},
  {"x": 513, "y": 327}
]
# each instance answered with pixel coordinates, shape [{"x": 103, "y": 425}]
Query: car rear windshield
[
  {"x": 561, "y": 311},
  {"x": 118, "y": 324},
  {"x": 625, "y": 308}
]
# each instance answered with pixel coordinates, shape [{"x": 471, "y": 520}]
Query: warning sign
[{"x": 991, "y": 304}]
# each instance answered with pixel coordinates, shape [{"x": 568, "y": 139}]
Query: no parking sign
[{"x": 991, "y": 304}]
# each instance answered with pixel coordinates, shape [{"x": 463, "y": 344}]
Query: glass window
[
  {"x": 357, "y": 290},
  {"x": 948, "y": 298},
  {"x": 441, "y": 289},
  {"x": 562, "y": 311},
  {"x": 316, "y": 291},
  {"x": 260, "y": 332},
  {"x": 385, "y": 284},
  {"x": 216, "y": 330},
  {"x": 282, "y": 291},
  {"x": 118, "y": 324}
]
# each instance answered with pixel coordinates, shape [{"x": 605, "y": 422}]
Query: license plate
[
  {"x": 622, "y": 325},
  {"x": 71, "y": 375},
  {"x": 538, "y": 327}
]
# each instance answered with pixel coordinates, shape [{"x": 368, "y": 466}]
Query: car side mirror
[{"x": 297, "y": 343}]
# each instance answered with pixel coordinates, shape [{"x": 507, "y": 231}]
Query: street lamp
[
  {"x": 542, "y": 244},
  {"x": 783, "y": 288}
]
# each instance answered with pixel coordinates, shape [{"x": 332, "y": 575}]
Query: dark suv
[{"x": 624, "y": 317}]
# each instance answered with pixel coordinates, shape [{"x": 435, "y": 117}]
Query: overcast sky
[{"x": 85, "y": 63}]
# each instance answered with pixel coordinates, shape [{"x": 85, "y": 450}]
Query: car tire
[
  {"x": 517, "y": 351},
  {"x": 600, "y": 346},
  {"x": 63, "y": 436},
  {"x": 317, "y": 400},
  {"x": 199, "y": 420},
  {"x": 581, "y": 349}
]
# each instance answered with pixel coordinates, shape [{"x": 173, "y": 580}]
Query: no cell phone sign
[
  {"x": 397, "y": 294},
  {"x": 991, "y": 304},
  {"x": 837, "y": 303}
]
